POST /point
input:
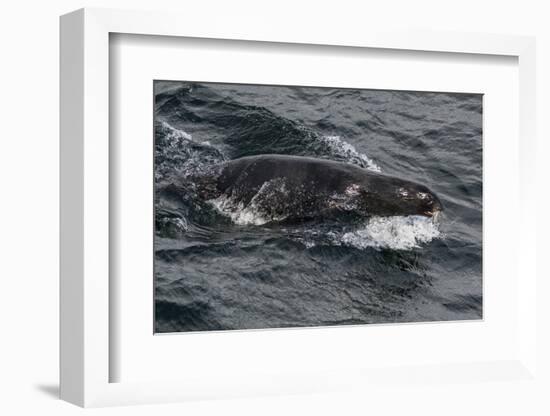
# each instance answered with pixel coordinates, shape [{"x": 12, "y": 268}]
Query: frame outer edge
[
  {"x": 71, "y": 217},
  {"x": 84, "y": 181},
  {"x": 527, "y": 267}
]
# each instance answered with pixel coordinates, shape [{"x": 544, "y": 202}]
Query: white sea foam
[
  {"x": 238, "y": 212},
  {"x": 173, "y": 135},
  {"x": 398, "y": 233},
  {"x": 180, "y": 153},
  {"x": 342, "y": 148},
  {"x": 255, "y": 212}
]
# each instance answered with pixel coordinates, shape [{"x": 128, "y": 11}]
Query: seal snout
[
  {"x": 429, "y": 204},
  {"x": 433, "y": 206}
]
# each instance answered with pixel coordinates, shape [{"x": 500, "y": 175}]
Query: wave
[
  {"x": 398, "y": 233},
  {"x": 348, "y": 152},
  {"x": 176, "y": 153},
  {"x": 248, "y": 130}
]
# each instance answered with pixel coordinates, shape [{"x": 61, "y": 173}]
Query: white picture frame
[{"x": 85, "y": 355}]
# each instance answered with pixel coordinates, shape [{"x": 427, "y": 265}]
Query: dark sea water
[{"x": 219, "y": 266}]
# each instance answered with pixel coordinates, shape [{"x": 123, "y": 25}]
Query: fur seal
[{"x": 297, "y": 188}]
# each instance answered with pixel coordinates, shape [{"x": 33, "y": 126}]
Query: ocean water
[{"x": 222, "y": 266}]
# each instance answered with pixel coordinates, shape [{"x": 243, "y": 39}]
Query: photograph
[{"x": 282, "y": 206}]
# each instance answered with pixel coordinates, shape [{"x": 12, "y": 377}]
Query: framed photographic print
[
  {"x": 266, "y": 212},
  {"x": 274, "y": 212}
]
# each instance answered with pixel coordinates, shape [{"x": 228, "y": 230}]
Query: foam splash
[
  {"x": 177, "y": 152},
  {"x": 238, "y": 212},
  {"x": 173, "y": 136},
  {"x": 398, "y": 233},
  {"x": 255, "y": 212},
  {"x": 347, "y": 151}
]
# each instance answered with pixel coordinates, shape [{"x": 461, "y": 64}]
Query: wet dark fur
[{"x": 295, "y": 187}]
